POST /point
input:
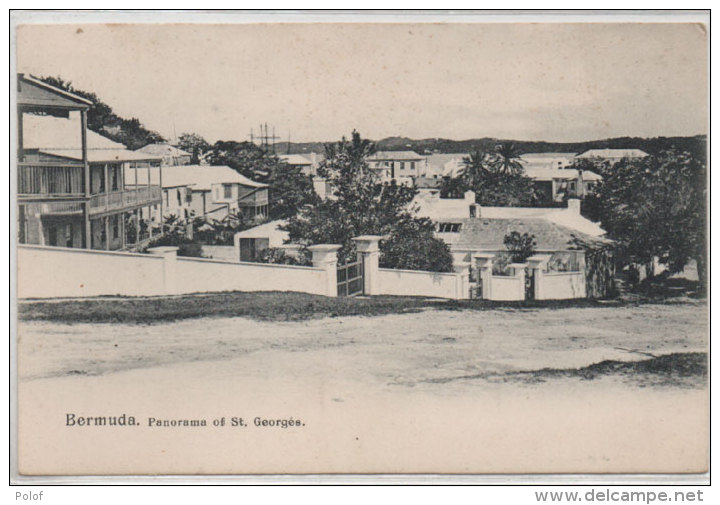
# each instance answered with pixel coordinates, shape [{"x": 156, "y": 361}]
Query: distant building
[
  {"x": 211, "y": 191},
  {"x": 169, "y": 155},
  {"x": 548, "y": 160},
  {"x": 444, "y": 165},
  {"x": 251, "y": 243},
  {"x": 402, "y": 166},
  {"x": 612, "y": 155},
  {"x": 307, "y": 163},
  {"x": 552, "y": 184},
  {"x": 448, "y": 209}
]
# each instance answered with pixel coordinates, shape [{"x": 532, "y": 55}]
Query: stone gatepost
[
  {"x": 484, "y": 264},
  {"x": 463, "y": 268},
  {"x": 325, "y": 256},
  {"x": 368, "y": 251},
  {"x": 169, "y": 256},
  {"x": 518, "y": 270},
  {"x": 537, "y": 264}
]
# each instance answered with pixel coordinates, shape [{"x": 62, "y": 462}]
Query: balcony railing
[
  {"x": 129, "y": 197},
  {"x": 50, "y": 179}
]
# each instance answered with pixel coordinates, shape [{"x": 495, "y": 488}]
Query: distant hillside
[{"x": 429, "y": 146}]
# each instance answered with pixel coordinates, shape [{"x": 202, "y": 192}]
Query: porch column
[
  {"x": 518, "y": 270},
  {"x": 121, "y": 227},
  {"x": 368, "y": 251},
  {"x": 484, "y": 264},
  {"x": 463, "y": 268},
  {"x": 83, "y": 147},
  {"x": 106, "y": 183},
  {"x": 325, "y": 256},
  {"x": 20, "y": 151},
  {"x": 537, "y": 265},
  {"x": 106, "y": 222},
  {"x": 169, "y": 255},
  {"x": 136, "y": 212}
]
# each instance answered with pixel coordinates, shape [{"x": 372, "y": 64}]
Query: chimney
[{"x": 574, "y": 205}]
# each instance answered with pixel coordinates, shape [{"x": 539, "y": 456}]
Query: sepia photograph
[{"x": 331, "y": 244}]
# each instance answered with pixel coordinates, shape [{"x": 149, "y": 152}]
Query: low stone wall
[
  {"x": 49, "y": 272},
  {"x": 418, "y": 283},
  {"x": 56, "y": 272},
  {"x": 506, "y": 288},
  {"x": 560, "y": 286},
  {"x": 196, "y": 275}
]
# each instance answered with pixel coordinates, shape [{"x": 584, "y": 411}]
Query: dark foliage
[
  {"x": 520, "y": 246},
  {"x": 101, "y": 119},
  {"x": 362, "y": 205},
  {"x": 655, "y": 207}
]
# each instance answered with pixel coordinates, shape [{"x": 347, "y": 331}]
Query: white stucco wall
[
  {"x": 47, "y": 272},
  {"x": 507, "y": 288},
  {"x": 417, "y": 283},
  {"x": 53, "y": 272},
  {"x": 561, "y": 286},
  {"x": 196, "y": 275}
]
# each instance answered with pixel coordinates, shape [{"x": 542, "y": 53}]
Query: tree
[
  {"x": 492, "y": 184},
  {"x": 520, "y": 246},
  {"x": 194, "y": 144},
  {"x": 507, "y": 159},
  {"x": 655, "y": 207},
  {"x": 101, "y": 119},
  {"x": 363, "y": 205},
  {"x": 289, "y": 188}
]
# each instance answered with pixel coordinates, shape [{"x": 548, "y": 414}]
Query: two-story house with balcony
[
  {"x": 213, "y": 191},
  {"x": 77, "y": 188}
]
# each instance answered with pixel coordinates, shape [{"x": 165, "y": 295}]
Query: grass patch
[
  {"x": 676, "y": 369},
  {"x": 263, "y": 306}
]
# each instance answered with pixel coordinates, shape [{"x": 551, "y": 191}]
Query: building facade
[
  {"x": 211, "y": 191},
  {"x": 76, "y": 188}
]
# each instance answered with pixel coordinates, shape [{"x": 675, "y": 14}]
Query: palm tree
[
  {"x": 507, "y": 159},
  {"x": 475, "y": 169}
]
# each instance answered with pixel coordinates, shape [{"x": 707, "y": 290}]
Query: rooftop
[
  {"x": 396, "y": 155},
  {"x": 163, "y": 149},
  {"x": 489, "y": 233},
  {"x": 203, "y": 177},
  {"x": 61, "y": 137},
  {"x": 548, "y": 174},
  {"x": 613, "y": 153},
  {"x": 548, "y": 155},
  {"x": 295, "y": 159}
]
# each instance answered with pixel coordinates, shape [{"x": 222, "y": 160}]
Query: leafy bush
[{"x": 520, "y": 246}]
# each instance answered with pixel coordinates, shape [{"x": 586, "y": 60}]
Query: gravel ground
[
  {"x": 495, "y": 391},
  {"x": 408, "y": 350}
]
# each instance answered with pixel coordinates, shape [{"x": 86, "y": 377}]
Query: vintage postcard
[{"x": 329, "y": 244}]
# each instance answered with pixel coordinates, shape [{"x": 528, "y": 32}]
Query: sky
[{"x": 317, "y": 82}]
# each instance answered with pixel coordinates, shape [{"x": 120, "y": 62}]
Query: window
[
  {"x": 412, "y": 165},
  {"x": 402, "y": 165},
  {"x": 167, "y": 197},
  {"x": 448, "y": 227},
  {"x": 227, "y": 191},
  {"x": 188, "y": 195},
  {"x": 116, "y": 226}
]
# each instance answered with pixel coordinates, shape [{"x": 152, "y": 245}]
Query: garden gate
[{"x": 350, "y": 281}]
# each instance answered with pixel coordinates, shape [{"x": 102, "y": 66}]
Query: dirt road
[{"x": 427, "y": 392}]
